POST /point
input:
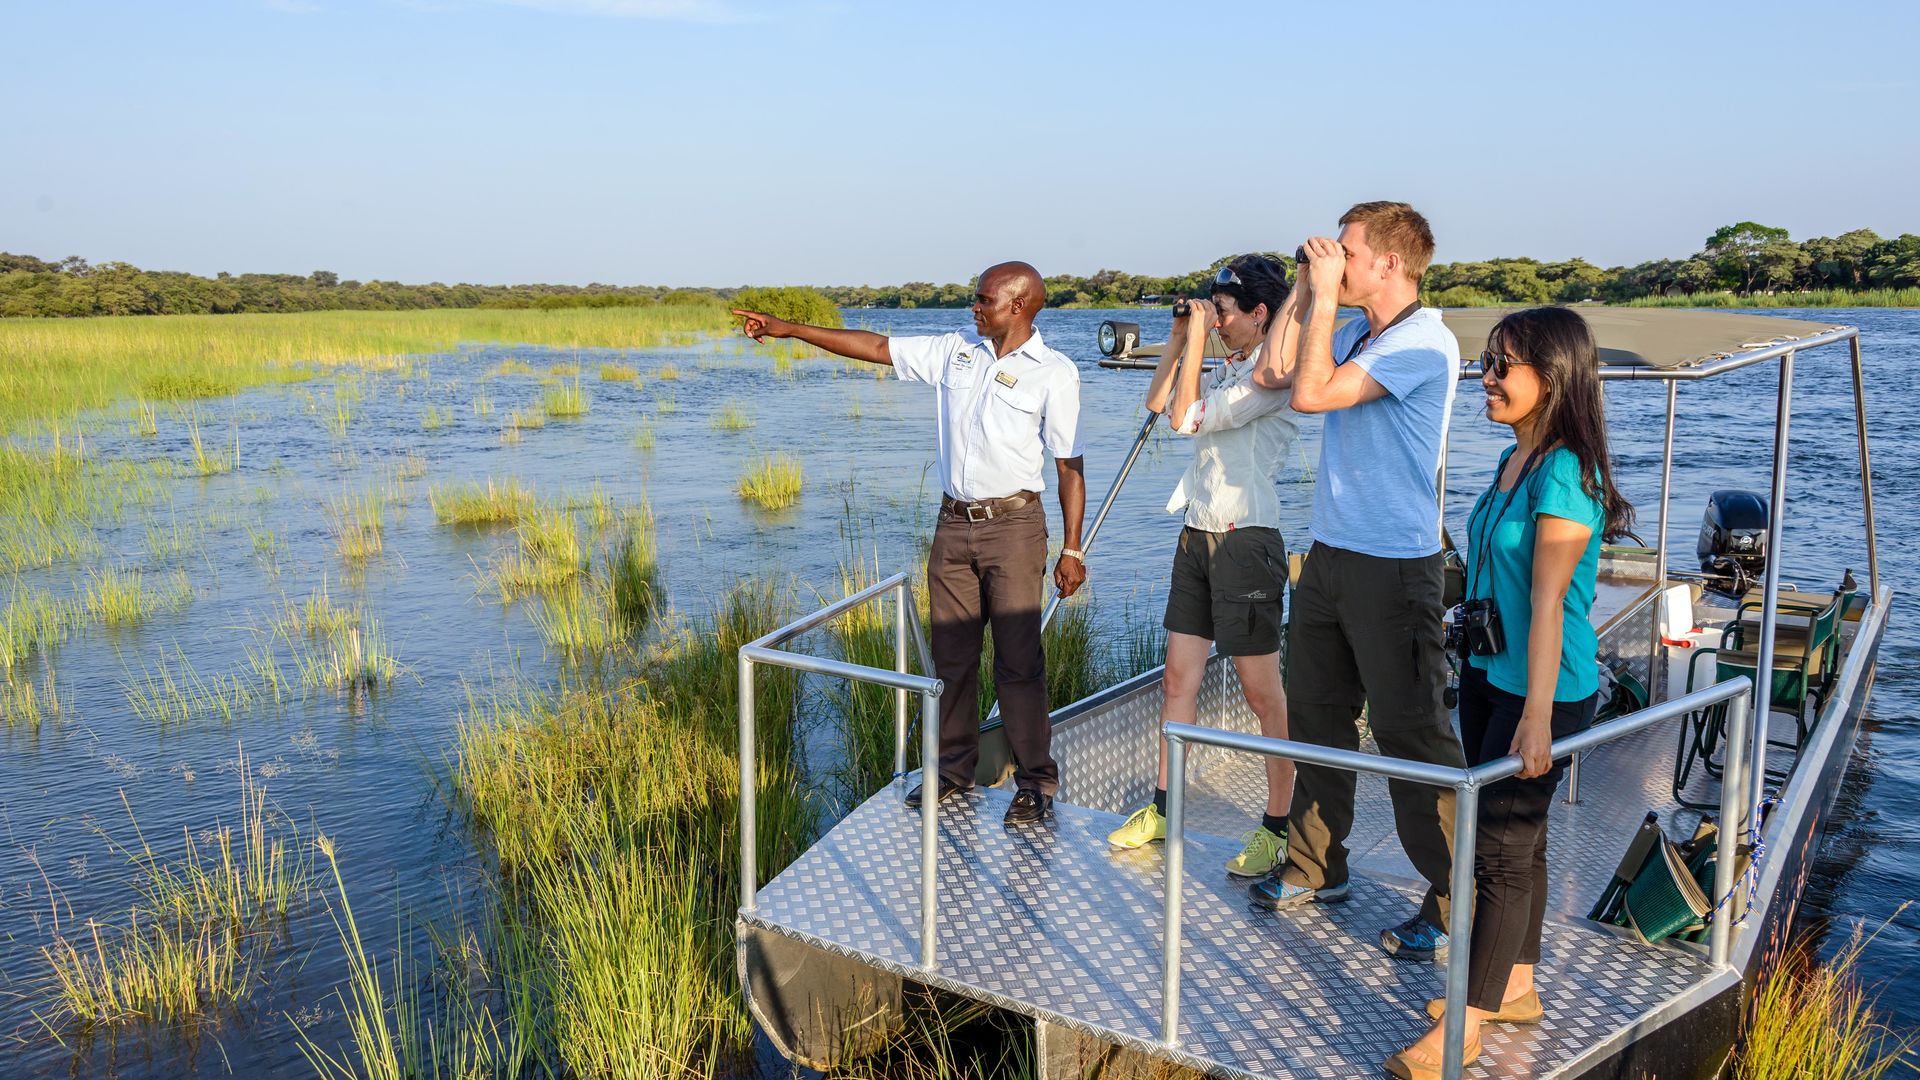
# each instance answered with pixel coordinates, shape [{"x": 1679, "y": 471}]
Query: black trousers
[
  {"x": 1510, "y": 843},
  {"x": 1367, "y": 629},
  {"x": 992, "y": 572}
]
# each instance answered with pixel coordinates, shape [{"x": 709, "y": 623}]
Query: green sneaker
[
  {"x": 1262, "y": 851},
  {"x": 1146, "y": 826}
]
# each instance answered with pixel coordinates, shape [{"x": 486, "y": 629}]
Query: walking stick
[{"x": 1086, "y": 546}]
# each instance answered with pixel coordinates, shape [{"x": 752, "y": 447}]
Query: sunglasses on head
[
  {"x": 1500, "y": 363},
  {"x": 1226, "y": 276}
]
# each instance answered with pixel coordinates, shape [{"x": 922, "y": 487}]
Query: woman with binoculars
[
  {"x": 1230, "y": 566},
  {"x": 1529, "y": 674}
]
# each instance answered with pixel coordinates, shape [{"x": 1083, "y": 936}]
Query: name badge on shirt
[{"x": 1005, "y": 379}]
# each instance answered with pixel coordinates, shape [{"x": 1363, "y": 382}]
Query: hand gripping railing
[
  {"x": 905, "y": 624},
  {"x": 1466, "y": 784}
]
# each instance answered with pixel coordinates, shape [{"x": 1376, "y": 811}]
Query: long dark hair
[{"x": 1573, "y": 409}]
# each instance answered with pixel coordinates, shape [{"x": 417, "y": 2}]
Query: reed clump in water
[
  {"x": 1813, "y": 1020},
  {"x": 666, "y": 373},
  {"x": 436, "y": 418},
  {"x": 526, "y": 419},
  {"x": 731, "y": 416},
  {"x": 773, "y": 481},
  {"x": 643, "y": 437},
  {"x": 189, "y": 943},
  {"x": 211, "y": 462},
  {"x": 619, "y": 373},
  {"x": 357, "y": 525},
  {"x": 492, "y": 502},
  {"x": 566, "y": 401},
  {"x": 122, "y": 598},
  {"x": 548, "y": 553}
]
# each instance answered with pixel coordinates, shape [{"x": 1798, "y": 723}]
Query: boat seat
[{"x": 1804, "y": 658}]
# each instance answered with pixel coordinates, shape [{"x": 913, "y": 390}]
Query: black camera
[{"x": 1476, "y": 629}]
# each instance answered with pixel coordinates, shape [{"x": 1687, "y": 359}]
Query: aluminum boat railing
[{"x": 1735, "y": 801}]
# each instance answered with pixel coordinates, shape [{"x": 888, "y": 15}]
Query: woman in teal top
[{"x": 1533, "y": 556}]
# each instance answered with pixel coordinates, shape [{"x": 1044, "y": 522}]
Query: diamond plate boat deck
[{"x": 1049, "y": 922}]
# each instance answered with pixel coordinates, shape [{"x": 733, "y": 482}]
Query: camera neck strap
[
  {"x": 1360, "y": 343},
  {"x": 1483, "y": 544}
]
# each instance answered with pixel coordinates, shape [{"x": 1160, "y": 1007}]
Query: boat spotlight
[{"x": 1118, "y": 338}]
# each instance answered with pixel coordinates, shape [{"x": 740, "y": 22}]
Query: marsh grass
[
  {"x": 666, "y": 402},
  {"x": 349, "y": 658},
  {"x": 731, "y": 416},
  {"x": 211, "y": 462},
  {"x": 482, "y": 405},
  {"x": 511, "y": 366},
  {"x": 634, "y": 568},
  {"x": 1813, "y": 1020},
  {"x": 548, "y": 553},
  {"x": 190, "y": 942},
  {"x": 643, "y": 437},
  {"x": 54, "y": 368},
  {"x": 33, "y": 622},
  {"x": 494, "y": 502},
  {"x": 174, "y": 540},
  {"x": 609, "y": 812},
  {"x": 172, "y": 693},
  {"x": 567, "y": 401},
  {"x": 619, "y": 373},
  {"x": 358, "y": 526},
  {"x": 436, "y": 418},
  {"x": 1812, "y": 298},
  {"x": 510, "y": 436},
  {"x": 145, "y": 423},
  {"x": 772, "y": 481},
  {"x": 26, "y": 703},
  {"x": 667, "y": 373},
  {"x": 526, "y": 419},
  {"x": 122, "y": 598}
]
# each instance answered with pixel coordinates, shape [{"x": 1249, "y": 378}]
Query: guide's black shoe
[
  {"x": 948, "y": 789},
  {"x": 1029, "y": 807}
]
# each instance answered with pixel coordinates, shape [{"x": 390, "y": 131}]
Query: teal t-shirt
[{"x": 1505, "y": 571}]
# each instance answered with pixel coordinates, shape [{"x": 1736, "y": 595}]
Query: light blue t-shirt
[
  {"x": 1505, "y": 571},
  {"x": 1375, "y": 492}
]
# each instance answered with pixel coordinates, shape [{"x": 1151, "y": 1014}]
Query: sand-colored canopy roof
[{"x": 1650, "y": 337}]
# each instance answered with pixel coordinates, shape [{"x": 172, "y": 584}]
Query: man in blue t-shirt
[{"x": 1365, "y": 625}]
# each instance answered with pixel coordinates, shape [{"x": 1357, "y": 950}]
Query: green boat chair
[{"x": 1805, "y": 655}]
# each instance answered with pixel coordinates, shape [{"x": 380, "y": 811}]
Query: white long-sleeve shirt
[{"x": 1241, "y": 433}]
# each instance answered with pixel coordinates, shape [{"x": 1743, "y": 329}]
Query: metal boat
[{"x": 1127, "y": 962}]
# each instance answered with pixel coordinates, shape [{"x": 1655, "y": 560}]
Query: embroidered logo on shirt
[{"x": 1005, "y": 379}]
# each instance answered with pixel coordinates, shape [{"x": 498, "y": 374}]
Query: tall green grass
[
  {"x": 493, "y": 502},
  {"x": 51, "y": 369},
  {"x": 731, "y": 416},
  {"x": 549, "y": 552},
  {"x": 1813, "y": 1020},
  {"x": 358, "y": 526},
  {"x": 773, "y": 481},
  {"x": 122, "y": 598},
  {"x": 190, "y": 943},
  {"x": 567, "y": 400},
  {"x": 1812, "y": 298}
]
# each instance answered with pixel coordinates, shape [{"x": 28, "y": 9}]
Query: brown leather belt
[{"x": 987, "y": 509}]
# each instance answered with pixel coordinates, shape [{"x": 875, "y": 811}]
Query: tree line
[{"x": 1746, "y": 259}]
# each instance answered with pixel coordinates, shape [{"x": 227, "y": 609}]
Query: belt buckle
[{"x": 984, "y": 513}]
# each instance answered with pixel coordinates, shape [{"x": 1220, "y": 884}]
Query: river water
[{"x": 364, "y": 770}]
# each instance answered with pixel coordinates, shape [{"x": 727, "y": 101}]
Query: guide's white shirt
[
  {"x": 997, "y": 414},
  {"x": 1241, "y": 432}
]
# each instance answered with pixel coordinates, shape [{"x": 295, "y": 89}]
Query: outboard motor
[{"x": 1733, "y": 540}]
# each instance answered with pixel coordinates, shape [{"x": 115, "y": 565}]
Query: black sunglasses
[
  {"x": 1500, "y": 363},
  {"x": 1226, "y": 276}
]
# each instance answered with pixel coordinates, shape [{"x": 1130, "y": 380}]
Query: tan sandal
[
  {"x": 1407, "y": 1068},
  {"x": 1524, "y": 1009}
]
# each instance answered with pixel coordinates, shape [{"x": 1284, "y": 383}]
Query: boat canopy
[{"x": 1663, "y": 338}]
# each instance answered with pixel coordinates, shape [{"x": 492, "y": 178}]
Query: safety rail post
[
  {"x": 749, "y": 791},
  {"x": 1176, "y": 860},
  {"x": 1733, "y": 824},
  {"x": 1466, "y": 819},
  {"x": 929, "y": 825},
  {"x": 1866, "y": 470},
  {"x": 902, "y": 611},
  {"x": 1770, "y": 596}
]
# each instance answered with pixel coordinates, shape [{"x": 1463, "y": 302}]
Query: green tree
[
  {"x": 794, "y": 303},
  {"x": 1734, "y": 251}
]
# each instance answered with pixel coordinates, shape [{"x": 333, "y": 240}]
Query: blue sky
[{"x": 716, "y": 142}]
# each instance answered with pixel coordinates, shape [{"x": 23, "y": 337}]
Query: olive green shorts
[{"x": 1229, "y": 588}]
